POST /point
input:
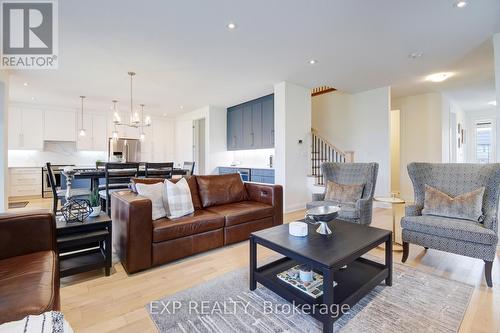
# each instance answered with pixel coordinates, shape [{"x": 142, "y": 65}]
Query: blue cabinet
[
  {"x": 251, "y": 125},
  {"x": 253, "y": 175},
  {"x": 262, "y": 176}
]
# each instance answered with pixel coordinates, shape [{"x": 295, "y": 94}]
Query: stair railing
[{"x": 323, "y": 151}]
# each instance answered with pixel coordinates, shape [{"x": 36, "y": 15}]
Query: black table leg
[
  {"x": 108, "y": 251},
  {"x": 328, "y": 301},
  {"x": 388, "y": 260},
  {"x": 253, "y": 263}
]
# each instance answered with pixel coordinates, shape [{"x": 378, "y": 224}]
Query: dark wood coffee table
[{"x": 326, "y": 255}]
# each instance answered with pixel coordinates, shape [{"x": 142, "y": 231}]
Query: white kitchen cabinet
[
  {"x": 60, "y": 125},
  {"x": 95, "y": 137},
  {"x": 25, "y": 182},
  {"x": 25, "y": 129}
]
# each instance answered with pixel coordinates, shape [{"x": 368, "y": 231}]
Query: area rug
[
  {"x": 20, "y": 204},
  {"x": 416, "y": 302}
]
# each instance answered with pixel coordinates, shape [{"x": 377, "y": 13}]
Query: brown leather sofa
[
  {"x": 29, "y": 269},
  {"x": 226, "y": 211}
]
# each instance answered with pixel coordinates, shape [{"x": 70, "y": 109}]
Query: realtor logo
[{"x": 29, "y": 34}]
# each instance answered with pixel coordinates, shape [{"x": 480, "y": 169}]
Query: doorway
[
  {"x": 199, "y": 146},
  {"x": 395, "y": 148}
]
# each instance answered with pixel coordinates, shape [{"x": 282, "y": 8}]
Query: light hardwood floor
[{"x": 92, "y": 302}]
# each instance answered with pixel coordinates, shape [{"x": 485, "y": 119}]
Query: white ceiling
[{"x": 184, "y": 54}]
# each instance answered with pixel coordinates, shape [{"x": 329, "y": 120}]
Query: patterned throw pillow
[
  {"x": 467, "y": 206},
  {"x": 153, "y": 192},
  {"x": 177, "y": 199},
  {"x": 343, "y": 193}
]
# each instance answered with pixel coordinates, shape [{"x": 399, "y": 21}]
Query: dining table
[{"x": 94, "y": 175}]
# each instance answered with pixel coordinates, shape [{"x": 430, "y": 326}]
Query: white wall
[
  {"x": 360, "y": 123},
  {"x": 292, "y": 122},
  {"x": 4, "y": 96},
  {"x": 496, "y": 46},
  {"x": 457, "y": 155},
  {"x": 215, "y": 137},
  {"x": 421, "y": 133}
]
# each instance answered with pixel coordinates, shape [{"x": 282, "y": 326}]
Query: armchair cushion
[
  {"x": 29, "y": 284},
  {"x": 467, "y": 206},
  {"x": 450, "y": 228},
  {"x": 343, "y": 192}
]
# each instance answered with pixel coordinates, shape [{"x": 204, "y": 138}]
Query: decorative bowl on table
[{"x": 321, "y": 215}]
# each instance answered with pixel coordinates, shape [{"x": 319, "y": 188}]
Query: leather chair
[{"x": 29, "y": 267}]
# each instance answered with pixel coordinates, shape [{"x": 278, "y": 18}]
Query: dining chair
[
  {"x": 159, "y": 170},
  {"x": 60, "y": 194},
  {"x": 189, "y": 166},
  {"x": 117, "y": 177}
]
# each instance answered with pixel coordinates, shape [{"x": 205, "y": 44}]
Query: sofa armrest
[
  {"x": 268, "y": 194},
  {"x": 490, "y": 220},
  {"x": 413, "y": 210},
  {"x": 27, "y": 233},
  {"x": 365, "y": 207},
  {"x": 132, "y": 229}
]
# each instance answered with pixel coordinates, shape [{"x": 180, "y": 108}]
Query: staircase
[{"x": 323, "y": 151}]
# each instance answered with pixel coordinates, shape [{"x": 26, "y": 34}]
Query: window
[{"x": 484, "y": 142}]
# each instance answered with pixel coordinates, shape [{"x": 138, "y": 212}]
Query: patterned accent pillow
[
  {"x": 153, "y": 192},
  {"x": 466, "y": 206},
  {"x": 177, "y": 199},
  {"x": 343, "y": 193}
]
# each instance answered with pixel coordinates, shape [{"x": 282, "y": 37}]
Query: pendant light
[
  {"x": 82, "y": 130},
  {"x": 143, "y": 135},
  {"x": 116, "y": 119},
  {"x": 135, "y": 120}
]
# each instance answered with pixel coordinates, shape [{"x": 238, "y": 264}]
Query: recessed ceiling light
[
  {"x": 312, "y": 62},
  {"x": 415, "y": 55},
  {"x": 460, "y": 4},
  {"x": 494, "y": 103},
  {"x": 181, "y": 107},
  {"x": 231, "y": 26},
  {"x": 32, "y": 98},
  {"x": 438, "y": 77},
  {"x": 164, "y": 115},
  {"x": 26, "y": 84}
]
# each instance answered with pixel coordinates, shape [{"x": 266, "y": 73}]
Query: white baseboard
[{"x": 294, "y": 208}]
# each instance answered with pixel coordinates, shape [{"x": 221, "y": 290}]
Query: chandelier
[{"x": 135, "y": 120}]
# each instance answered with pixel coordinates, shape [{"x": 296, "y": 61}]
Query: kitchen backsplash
[
  {"x": 55, "y": 153},
  {"x": 257, "y": 158}
]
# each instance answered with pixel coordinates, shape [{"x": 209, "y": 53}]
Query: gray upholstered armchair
[
  {"x": 350, "y": 174},
  {"x": 464, "y": 237}
]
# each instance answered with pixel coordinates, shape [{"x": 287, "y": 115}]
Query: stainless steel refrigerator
[{"x": 128, "y": 150}]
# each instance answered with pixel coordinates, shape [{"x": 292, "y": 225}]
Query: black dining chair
[
  {"x": 189, "y": 166},
  {"x": 117, "y": 177},
  {"x": 60, "y": 194},
  {"x": 159, "y": 170}
]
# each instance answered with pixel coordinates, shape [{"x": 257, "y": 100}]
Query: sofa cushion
[
  {"x": 153, "y": 192},
  {"x": 221, "y": 189},
  {"x": 244, "y": 211},
  {"x": 348, "y": 211},
  {"x": 193, "y": 187},
  {"x": 28, "y": 285},
  {"x": 199, "y": 221},
  {"x": 450, "y": 228}
]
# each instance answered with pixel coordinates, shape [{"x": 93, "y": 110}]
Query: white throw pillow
[
  {"x": 177, "y": 199},
  {"x": 153, "y": 192}
]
